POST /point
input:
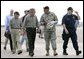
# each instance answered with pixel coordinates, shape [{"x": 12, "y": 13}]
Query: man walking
[
  {"x": 15, "y": 28},
  {"x": 69, "y": 30},
  {"x": 7, "y": 32},
  {"x": 49, "y": 19},
  {"x": 30, "y": 23}
]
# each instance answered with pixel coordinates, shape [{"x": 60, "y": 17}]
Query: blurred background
[{"x": 58, "y": 7}]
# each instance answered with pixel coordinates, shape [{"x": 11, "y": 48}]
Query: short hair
[
  {"x": 70, "y": 8},
  {"x": 46, "y": 7},
  {"x": 32, "y": 9},
  {"x": 27, "y": 10},
  {"x": 16, "y": 13}
]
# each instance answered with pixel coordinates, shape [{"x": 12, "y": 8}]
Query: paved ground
[{"x": 40, "y": 47}]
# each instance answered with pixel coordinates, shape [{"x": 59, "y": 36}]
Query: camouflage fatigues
[{"x": 49, "y": 34}]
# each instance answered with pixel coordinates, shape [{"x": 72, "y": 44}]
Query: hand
[
  {"x": 6, "y": 31},
  {"x": 66, "y": 31},
  {"x": 76, "y": 12}
]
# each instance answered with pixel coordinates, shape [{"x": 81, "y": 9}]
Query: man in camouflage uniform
[{"x": 47, "y": 19}]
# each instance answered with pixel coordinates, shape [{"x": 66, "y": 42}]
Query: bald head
[{"x": 11, "y": 12}]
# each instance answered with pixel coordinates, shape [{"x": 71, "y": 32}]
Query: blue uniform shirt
[
  {"x": 69, "y": 21},
  {"x": 7, "y": 21}
]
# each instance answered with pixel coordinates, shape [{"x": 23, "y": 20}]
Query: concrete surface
[{"x": 40, "y": 46}]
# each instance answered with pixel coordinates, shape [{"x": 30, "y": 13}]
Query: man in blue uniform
[{"x": 69, "y": 30}]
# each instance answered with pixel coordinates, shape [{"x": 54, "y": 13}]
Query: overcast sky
[{"x": 58, "y": 7}]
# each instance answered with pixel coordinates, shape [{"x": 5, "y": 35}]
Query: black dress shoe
[
  {"x": 78, "y": 52},
  {"x": 55, "y": 54},
  {"x": 65, "y": 53},
  {"x": 13, "y": 52},
  {"x": 4, "y": 48},
  {"x": 19, "y": 52},
  {"x": 31, "y": 54}
]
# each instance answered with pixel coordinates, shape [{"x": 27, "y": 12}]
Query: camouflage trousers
[{"x": 50, "y": 36}]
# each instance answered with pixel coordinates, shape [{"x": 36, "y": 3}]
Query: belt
[
  {"x": 16, "y": 28},
  {"x": 31, "y": 27}
]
